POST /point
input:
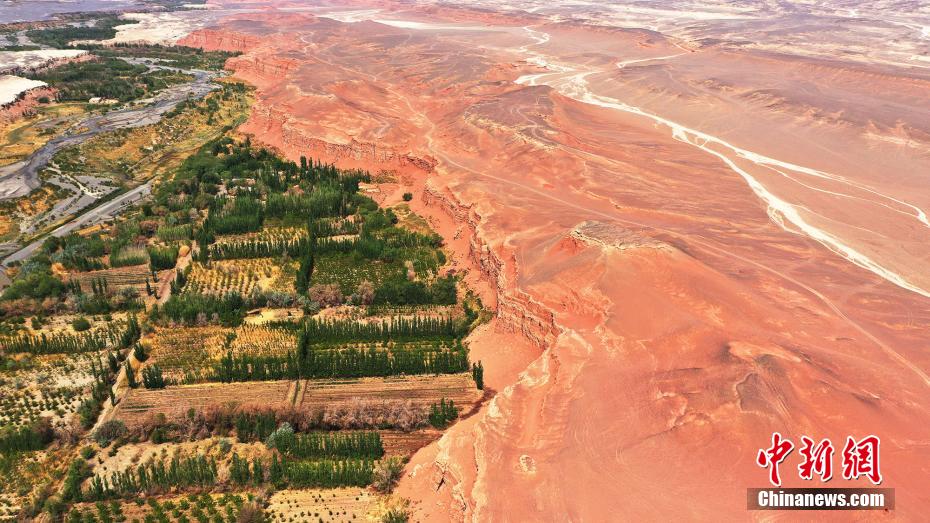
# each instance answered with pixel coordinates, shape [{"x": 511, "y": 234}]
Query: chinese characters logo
[{"x": 860, "y": 458}]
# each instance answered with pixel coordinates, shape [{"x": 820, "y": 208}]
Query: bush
[
  {"x": 33, "y": 437},
  {"x": 408, "y": 196},
  {"x": 477, "y": 374},
  {"x": 80, "y": 324},
  {"x": 88, "y": 412},
  {"x": 283, "y": 435},
  {"x": 153, "y": 378},
  {"x": 327, "y": 295},
  {"x": 110, "y": 431},
  {"x": 386, "y": 474},
  {"x": 396, "y": 515},
  {"x": 251, "y": 513},
  {"x": 77, "y": 471},
  {"x": 54, "y": 507},
  {"x": 443, "y": 413}
]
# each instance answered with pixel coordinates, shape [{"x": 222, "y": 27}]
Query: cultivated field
[
  {"x": 399, "y": 443},
  {"x": 188, "y": 354},
  {"x": 420, "y": 390},
  {"x": 267, "y": 234},
  {"x": 51, "y": 386},
  {"x": 312, "y": 395},
  {"x": 192, "y": 507},
  {"x": 329, "y": 506},
  {"x": 174, "y": 402},
  {"x": 348, "y": 272},
  {"x": 129, "y": 276},
  {"x": 241, "y": 276}
]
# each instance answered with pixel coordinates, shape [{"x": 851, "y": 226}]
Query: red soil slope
[{"x": 656, "y": 320}]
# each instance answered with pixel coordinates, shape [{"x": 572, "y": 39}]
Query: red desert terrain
[{"x": 689, "y": 245}]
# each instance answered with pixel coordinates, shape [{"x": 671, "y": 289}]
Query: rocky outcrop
[
  {"x": 261, "y": 69},
  {"x": 25, "y": 104},
  {"x": 275, "y": 127},
  {"x": 220, "y": 40}
]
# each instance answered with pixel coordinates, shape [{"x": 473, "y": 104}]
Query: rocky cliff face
[
  {"x": 221, "y": 40},
  {"x": 516, "y": 311}
]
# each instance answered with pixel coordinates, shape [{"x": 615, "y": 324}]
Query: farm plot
[
  {"x": 59, "y": 337},
  {"x": 192, "y": 507},
  {"x": 329, "y": 506},
  {"x": 350, "y": 270},
  {"x": 399, "y": 443},
  {"x": 241, "y": 276},
  {"x": 271, "y": 241},
  {"x": 188, "y": 354},
  {"x": 174, "y": 402},
  {"x": 129, "y": 276},
  {"x": 419, "y": 390},
  {"x": 265, "y": 235},
  {"x": 53, "y": 386},
  {"x": 216, "y": 449},
  {"x": 263, "y": 341}
]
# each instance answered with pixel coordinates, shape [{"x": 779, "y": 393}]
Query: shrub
[
  {"x": 153, "y": 378},
  {"x": 407, "y": 197},
  {"x": 282, "y": 436},
  {"x": 251, "y": 513},
  {"x": 88, "y": 412},
  {"x": 80, "y": 324},
  {"x": 33, "y": 437},
  {"x": 327, "y": 295},
  {"x": 77, "y": 471},
  {"x": 110, "y": 431},
  {"x": 443, "y": 413},
  {"x": 477, "y": 374},
  {"x": 396, "y": 515},
  {"x": 55, "y": 507},
  {"x": 386, "y": 474},
  {"x": 365, "y": 293},
  {"x": 139, "y": 353}
]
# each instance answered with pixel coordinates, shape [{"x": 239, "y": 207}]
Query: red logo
[
  {"x": 773, "y": 456},
  {"x": 860, "y": 458},
  {"x": 817, "y": 460}
]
